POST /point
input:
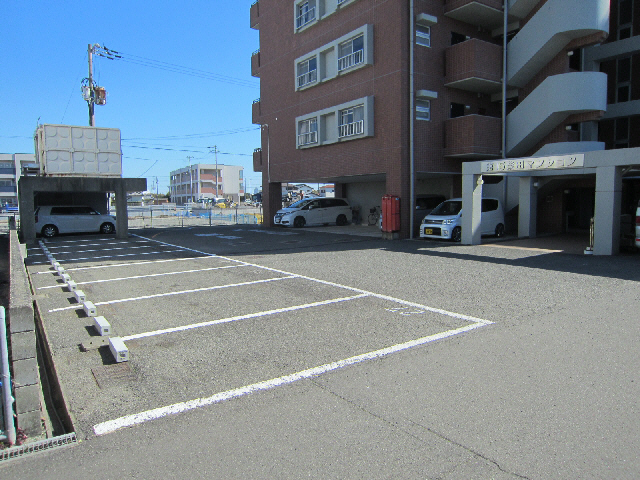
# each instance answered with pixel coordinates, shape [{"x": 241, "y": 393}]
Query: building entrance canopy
[{"x": 608, "y": 166}]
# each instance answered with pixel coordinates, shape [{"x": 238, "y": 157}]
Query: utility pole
[
  {"x": 93, "y": 94},
  {"x": 92, "y": 117},
  {"x": 190, "y": 180},
  {"x": 215, "y": 151}
]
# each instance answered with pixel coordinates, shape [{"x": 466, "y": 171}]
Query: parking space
[{"x": 201, "y": 327}]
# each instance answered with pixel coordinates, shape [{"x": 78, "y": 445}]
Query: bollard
[
  {"x": 80, "y": 296},
  {"x": 72, "y": 286},
  {"x": 89, "y": 309},
  {"x": 118, "y": 349},
  {"x": 102, "y": 326}
]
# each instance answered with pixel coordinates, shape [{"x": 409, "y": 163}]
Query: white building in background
[
  {"x": 12, "y": 166},
  {"x": 202, "y": 182}
]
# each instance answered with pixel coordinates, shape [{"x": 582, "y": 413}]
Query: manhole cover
[{"x": 110, "y": 375}]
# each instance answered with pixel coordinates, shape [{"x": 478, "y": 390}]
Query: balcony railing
[
  {"x": 350, "y": 129},
  {"x": 307, "y": 78},
  {"x": 473, "y": 137},
  {"x": 255, "y": 64},
  {"x": 306, "y": 17},
  {"x": 307, "y": 138},
  {"x": 254, "y": 16},
  {"x": 350, "y": 60}
]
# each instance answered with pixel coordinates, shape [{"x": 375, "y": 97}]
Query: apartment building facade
[
  {"x": 12, "y": 167},
  {"x": 204, "y": 182},
  {"x": 395, "y": 97}
]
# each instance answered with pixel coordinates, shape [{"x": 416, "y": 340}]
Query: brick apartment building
[{"x": 393, "y": 97}]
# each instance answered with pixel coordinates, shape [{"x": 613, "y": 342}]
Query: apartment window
[
  {"x": 306, "y": 13},
  {"x": 625, "y": 19},
  {"x": 423, "y": 109},
  {"x": 623, "y": 84},
  {"x": 307, "y": 72},
  {"x": 423, "y": 35},
  {"x": 621, "y": 134},
  {"x": 351, "y": 121},
  {"x": 307, "y": 131},
  {"x": 351, "y": 53}
]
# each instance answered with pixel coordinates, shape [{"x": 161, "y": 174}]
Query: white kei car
[
  {"x": 314, "y": 211},
  {"x": 53, "y": 220},
  {"x": 444, "y": 221}
]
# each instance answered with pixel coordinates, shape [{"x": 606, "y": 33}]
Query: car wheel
[
  {"x": 456, "y": 235},
  {"x": 299, "y": 222},
  {"x": 341, "y": 220},
  {"x": 49, "y": 231},
  {"x": 499, "y": 230},
  {"x": 107, "y": 228}
]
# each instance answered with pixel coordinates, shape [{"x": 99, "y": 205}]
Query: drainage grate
[
  {"x": 115, "y": 374},
  {"x": 36, "y": 447}
]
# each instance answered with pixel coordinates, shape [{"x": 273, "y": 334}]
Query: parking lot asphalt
[{"x": 334, "y": 355}]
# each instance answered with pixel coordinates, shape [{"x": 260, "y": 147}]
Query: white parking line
[
  {"x": 96, "y": 267},
  {"x": 98, "y": 250},
  {"x": 459, "y": 316},
  {"x": 156, "y": 413},
  {"x": 145, "y": 276},
  {"x": 110, "y": 256},
  {"x": 52, "y": 246},
  {"x": 169, "y": 294},
  {"x": 240, "y": 317}
]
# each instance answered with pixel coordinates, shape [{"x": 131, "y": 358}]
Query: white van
[
  {"x": 52, "y": 220},
  {"x": 444, "y": 221},
  {"x": 314, "y": 211}
]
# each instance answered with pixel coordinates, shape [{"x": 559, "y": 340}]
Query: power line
[
  {"x": 172, "y": 67},
  {"x": 232, "y": 131}
]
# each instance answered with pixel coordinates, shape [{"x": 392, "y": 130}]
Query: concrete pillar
[
  {"x": 27, "y": 217},
  {"x": 528, "y": 207},
  {"x": 607, "y": 211},
  {"x": 271, "y": 201},
  {"x": 122, "y": 217},
  {"x": 471, "y": 209}
]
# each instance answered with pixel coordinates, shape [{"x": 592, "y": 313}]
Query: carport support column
[
  {"x": 472, "y": 208},
  {"x": 528, "y": 208},
  {"x": 607, "y": 211},
  {"x": 27, "y": 211},
  {"x": 122, "y": 217}
]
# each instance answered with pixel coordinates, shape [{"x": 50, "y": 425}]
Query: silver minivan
[
  {"x": 314, "y": 211},
  {"x": 444, "y": 221},
  {"x": 52, "y": 220}
]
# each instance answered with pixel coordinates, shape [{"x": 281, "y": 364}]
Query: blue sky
[{"x": 164, "y": 115}]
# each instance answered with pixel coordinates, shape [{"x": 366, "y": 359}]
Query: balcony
[
  {"x": 254, "y": 16},
  {"x": 306, "y": 17},
  {"x": 255, "y": 64},
  {"x": 473, "y": 137},
  {"x": 550, "y": 30},
  {"x": 475, "y": 66},
  {"x": 255, "y": 112},
  {"x": 484, "y": 13},
  {"x": 545, "y": 108},
  {"x": 257, "y": 160},
  {"x": 351, "y": 129}
]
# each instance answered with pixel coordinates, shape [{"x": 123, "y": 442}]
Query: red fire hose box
[{"x": 390, "y": 213}]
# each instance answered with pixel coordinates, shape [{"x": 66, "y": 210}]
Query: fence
[{"x": 165, "y": 218}]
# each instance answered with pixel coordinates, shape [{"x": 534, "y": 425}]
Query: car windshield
[
  {"x": 450, "y": 207},
  {"x": 300, "y": 203}
]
